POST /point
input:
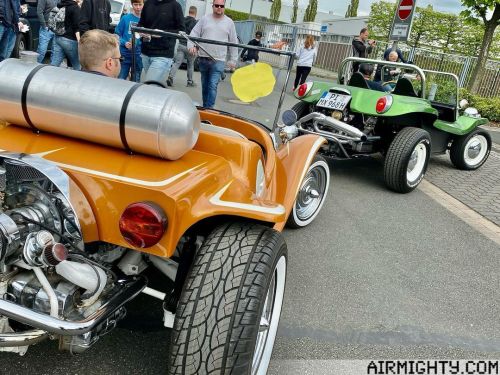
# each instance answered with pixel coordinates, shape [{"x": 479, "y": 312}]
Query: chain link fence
[{"x": 332, "y": 49}]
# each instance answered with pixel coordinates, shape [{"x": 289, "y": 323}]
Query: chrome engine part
[
  {"x": 136, "y": 117},
  {"x": 47, "y": 281}
]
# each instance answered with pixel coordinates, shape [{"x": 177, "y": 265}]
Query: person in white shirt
[{"x": 306, "y": 57}]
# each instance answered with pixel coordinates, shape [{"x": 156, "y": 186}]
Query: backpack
[{"x": 56, "y": 20}]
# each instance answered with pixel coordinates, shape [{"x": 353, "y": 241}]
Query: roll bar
[{"x": 386, "y": 63}]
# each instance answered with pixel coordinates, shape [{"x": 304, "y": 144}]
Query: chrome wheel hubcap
[
  {"x": 475, "y": 150},
  {"x": 416, "y": 163},
  {"x": 311, "y": 193}
]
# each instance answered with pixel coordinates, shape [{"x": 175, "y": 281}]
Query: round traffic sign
[{"x": 404, "y": 9}]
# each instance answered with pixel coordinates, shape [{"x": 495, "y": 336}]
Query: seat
[
  {"x": 404, "y": 87},
  {"x": 357, "y": 80}
]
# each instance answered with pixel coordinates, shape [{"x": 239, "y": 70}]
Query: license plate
[{"x": 333, "y": 101}]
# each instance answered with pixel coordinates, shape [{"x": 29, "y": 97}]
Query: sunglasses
[
  {"x": 121, "y": 58},
  {"x": 219, "y": 6}
]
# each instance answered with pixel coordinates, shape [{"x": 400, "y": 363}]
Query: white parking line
[{"x": 471, "y": 217}]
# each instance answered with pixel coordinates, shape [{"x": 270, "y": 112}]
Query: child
[
  {"x": 305, "y": 57},
  {"x": 125, "y": 35}
]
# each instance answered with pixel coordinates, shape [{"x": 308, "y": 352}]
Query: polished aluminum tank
[{"x": 138, "y": 118}]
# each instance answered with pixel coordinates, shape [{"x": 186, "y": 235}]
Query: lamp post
[{"x": 250, "y": 13}]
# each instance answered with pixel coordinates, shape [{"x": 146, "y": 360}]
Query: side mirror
[
  {"x": 463, "y": 103},
  {"x": 289, "y": 117}
]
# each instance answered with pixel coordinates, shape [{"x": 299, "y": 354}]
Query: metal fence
[{"x": 332, "y": 49}]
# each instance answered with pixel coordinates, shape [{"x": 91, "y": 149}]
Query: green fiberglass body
[{"x": 416, "y": 115}]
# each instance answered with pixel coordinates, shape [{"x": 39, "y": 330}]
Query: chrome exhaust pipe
[
  {"x": 25, "y": 338},
  {"x": 129, "y": 289},
  {"x": 351, "y": 131}
]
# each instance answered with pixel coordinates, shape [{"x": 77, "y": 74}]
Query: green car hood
[{"x": 365, "y": 100}]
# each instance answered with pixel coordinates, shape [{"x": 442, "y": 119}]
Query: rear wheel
[
  {"x": 470, "y": 151},
  {"x": 407, "y": 159},
  {"x": 228, "y": 313},
  {"x": 311, "y": 195},
  {"x": 301, "y": 109}
]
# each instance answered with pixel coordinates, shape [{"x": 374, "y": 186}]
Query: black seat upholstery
[
  {"x": 404, "y": 87},
  {"x": 357, "y": 80}
]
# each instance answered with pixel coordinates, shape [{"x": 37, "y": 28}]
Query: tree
[
  {"x": 425, "y": 23},
  {"x": 295, "y": 9},
  {"x": 380, "y": 21},
  {"x": 275, "y": 10},
  {"x": 479, "y": 9},
  {"x": 311, "y": 10},
  {"x": 352, "y": 9}
]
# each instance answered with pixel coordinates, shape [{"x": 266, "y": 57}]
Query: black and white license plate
[{"x": 333, "y": 101}]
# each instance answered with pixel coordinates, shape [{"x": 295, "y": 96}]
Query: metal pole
[
  {"x": 250, "y": 13},
  {"x": 282, "y": 96}
]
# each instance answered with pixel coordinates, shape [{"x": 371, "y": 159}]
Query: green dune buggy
[{"x": 418, "y": 117}]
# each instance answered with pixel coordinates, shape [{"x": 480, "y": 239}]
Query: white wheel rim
[
  {"x": 312, "y": 193},
  {"x": 416, "y": 163},
  {"x": 475, "y": 150},
  {"x": 269, "y": 319}
]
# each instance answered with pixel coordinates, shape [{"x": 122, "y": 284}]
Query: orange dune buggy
[{"x": 200, "y": 194}]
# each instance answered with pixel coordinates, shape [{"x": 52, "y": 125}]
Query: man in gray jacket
[{"x": 45, "y": 35}]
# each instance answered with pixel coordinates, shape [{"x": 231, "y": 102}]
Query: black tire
[
  {"x": 402, "y": 173},
  {"x": 218, "y": 319},
  {"x": 301, "y": 109},
  {"x": 20, "y": 45},
  {"x": 312, "y": 193},
  {"x": 470, "y": 151}
]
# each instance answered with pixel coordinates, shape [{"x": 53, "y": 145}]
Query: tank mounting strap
[
  {"x": 123, "y": 112},
  {"x": 24, "y": 94}
]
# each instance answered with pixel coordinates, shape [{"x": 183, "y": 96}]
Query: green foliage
[
  {"x": 275, "y": 10},
  {"x": 295, "y": 10},
  {"x": 443, "y": 32},
  {"x": 352, "y": 9},
  {"x": 242, "y": 16},
  {"x": 380, "y": 21},
  {"x": 311, "y": 10},
  {"x": 487, "y": 107}
]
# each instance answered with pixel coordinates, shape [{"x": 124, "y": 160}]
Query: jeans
[
  {"x": 64, "y": 47},
  {"x": 127, "y": 67},
  {"x": 183, "y": 53},
  {"x": 156, "y": 68},
  {"x": 211, "y": 72},
  {"x": 44, "y": 38},
  {"x": 7, "y": 41}
]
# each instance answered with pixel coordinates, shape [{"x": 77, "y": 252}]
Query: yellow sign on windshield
[{"x": 253, "y": 81}]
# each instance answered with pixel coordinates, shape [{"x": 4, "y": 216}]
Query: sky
[{"x": 339, "y": 7}]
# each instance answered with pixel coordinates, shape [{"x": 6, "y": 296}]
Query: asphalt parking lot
[{"x": 377, "y": 275}]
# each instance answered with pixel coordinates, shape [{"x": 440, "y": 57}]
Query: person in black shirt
[
  {"x": 361, "y": 47},
  {"x": 95, "y": 14},
  {"x": 66, "y": 45},
  {"x": 249, "y": 55}
]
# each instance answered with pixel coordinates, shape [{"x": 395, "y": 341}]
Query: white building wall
[{"x": 345, "y": 26}]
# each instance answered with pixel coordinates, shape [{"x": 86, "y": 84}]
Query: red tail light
[
  {"x": 143, "y": 224},
  {"x": 303, "y": 89},
  {"x": 383, "y": 104}
]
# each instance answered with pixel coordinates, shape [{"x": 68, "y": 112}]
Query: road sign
[{"x": 401, "y": 25}]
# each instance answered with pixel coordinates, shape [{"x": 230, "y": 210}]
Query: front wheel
[
  {"x": 20, "y": 45},
  {"x": 470, "y": 151},
  {"x": 229, "y": 309},
  {"x": 311, "y": 195},
  {"x": 407, "y": 159}
]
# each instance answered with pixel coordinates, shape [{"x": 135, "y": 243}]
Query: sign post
[{"x": 401, "y": 25}]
